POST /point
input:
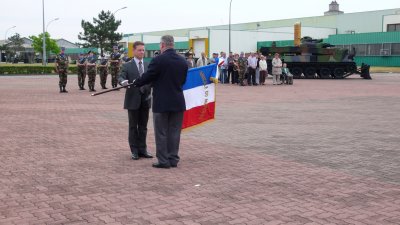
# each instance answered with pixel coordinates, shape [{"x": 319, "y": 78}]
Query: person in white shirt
[
  {"x": 276, "y": 69},
  {"x": 252, "y": 66},
  {"x": 202, "y": 61},
  {"x": 258, "y": 56},
  {"x": 263, "y": 69},
  {"x": 223, "y": 68}
]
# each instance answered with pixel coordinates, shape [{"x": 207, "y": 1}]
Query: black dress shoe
[
  {"x": 135, "y": 156},
  {"x": 174, "y": 165},
  {"x": 146, "y": 155},
  {"x": 163, "y": 166}
]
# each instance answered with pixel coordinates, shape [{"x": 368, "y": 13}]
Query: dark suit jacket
[
  {"x": 134, "y": 97},
  {"x": 167, "y": 73}
]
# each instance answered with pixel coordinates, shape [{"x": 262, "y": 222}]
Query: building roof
[
  {"x": 27, "y": 42},
  {"x": 70, "y": 48},
  {"x": 65, "y": 43},
  {"x": 340, "y": 22}
]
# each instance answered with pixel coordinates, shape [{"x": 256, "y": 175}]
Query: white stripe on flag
[{"x": 199, "y": 96}]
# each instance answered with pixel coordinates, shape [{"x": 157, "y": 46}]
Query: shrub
[{"x": 32, "y": 70}]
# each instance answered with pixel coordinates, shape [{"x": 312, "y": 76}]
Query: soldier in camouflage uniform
[
  {"x": 91, "y": 70},
  {"x": 126, "y": 58},
  {"x": 103, "y": 71},
  {"x": 242, "y": 62},
  {"x": 115, "y": 64},
  {"x": 62, "y": 69},
  {"x": 81, "y": 63}
]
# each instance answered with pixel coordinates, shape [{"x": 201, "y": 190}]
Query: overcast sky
[{"x": 154, "y": 15}]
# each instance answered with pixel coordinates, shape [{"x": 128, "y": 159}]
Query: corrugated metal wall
[
  {"x": 387, "y": 61},
  {"x": 278, "y": 43},
  {"x": 369, "y": 38},
  {"x": 156, "y": 46},
  {"x": 364, "y": 38}
]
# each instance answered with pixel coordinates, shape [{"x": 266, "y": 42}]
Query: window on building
[
  {"x": 386, "y": 48},
  {"x": 147, "y": 54},
  {"x": 393, "y": 27},
  {"x": 395, "y": 49},
  {"x": 374, "y": 49},
  {"x": 150, "y": 53},
  {"x": 361, "y": 49}
]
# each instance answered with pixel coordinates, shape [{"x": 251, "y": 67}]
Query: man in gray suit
[{"x": 137, "y": 102}]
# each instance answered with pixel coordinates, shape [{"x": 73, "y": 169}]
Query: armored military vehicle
[{"x": 315, "y": 59}]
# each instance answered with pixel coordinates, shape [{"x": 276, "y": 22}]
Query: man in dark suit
[
  {"x": 137, "y": 102},
  {"x": 167, "y": 74}
]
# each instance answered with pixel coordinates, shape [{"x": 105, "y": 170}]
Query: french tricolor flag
[{"x": 199, "y": 92}]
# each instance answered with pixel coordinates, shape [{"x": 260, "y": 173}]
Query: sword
[{"x": 112, "y": 89}]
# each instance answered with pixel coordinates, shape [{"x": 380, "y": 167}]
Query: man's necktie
[
  {"x": 140, "y": 68},
  {"x": 142, "y": 89}
]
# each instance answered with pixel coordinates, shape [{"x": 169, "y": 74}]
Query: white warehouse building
[{"x": 372, "y": 33}]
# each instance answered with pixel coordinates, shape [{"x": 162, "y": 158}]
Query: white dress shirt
[
  {"x": 138, "y": 65},
  {"x": 252, "y": 62}
]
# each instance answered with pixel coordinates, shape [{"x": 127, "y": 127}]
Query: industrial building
[{"x": 375, "y": 35}]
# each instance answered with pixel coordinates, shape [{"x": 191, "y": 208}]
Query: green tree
[
  {"x": 14, "y": 45},
  {"x": 80, "y": 45},
  {"x": 102, "y": 33},
  {"x": 51, "y": 44}
]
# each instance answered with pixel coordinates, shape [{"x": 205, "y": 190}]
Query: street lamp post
[
  {"x": 119, "y": 10},
  {"x": 5, "y": 35},
  {"x": 48, "y": 24},
  {"x": 44, "y": 38},
  {"x": 230, "y": 12}
]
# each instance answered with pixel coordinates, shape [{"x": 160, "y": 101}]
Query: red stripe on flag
[{"x": 197, "y": 115}]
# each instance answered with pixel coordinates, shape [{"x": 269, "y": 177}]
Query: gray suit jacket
[{"x": 135, "y": 96}]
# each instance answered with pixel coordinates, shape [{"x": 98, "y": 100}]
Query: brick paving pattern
[{"x": 318, "y": 152}]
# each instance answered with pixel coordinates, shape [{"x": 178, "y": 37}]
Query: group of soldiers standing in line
[{"x": 87, "y": 64}]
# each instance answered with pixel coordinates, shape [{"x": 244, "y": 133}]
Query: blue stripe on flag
[{"x": 195, "y": 79}]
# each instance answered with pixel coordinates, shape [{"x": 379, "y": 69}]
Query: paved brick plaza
[{"x": 318, "y": 152}]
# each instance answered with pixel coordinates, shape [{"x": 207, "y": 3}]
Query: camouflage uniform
[
  {"x": 81, "y": 72},
  {"x": 91, "y": 72},
  {"x": 103, "y": 72},
  {"x": 62, "y": 70},
  {"x": 235, "y": 73},
  {"x": 114, "y": 68},
  {"x": 242, "y": 69},
  {"x": 125, "y": 59}
]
